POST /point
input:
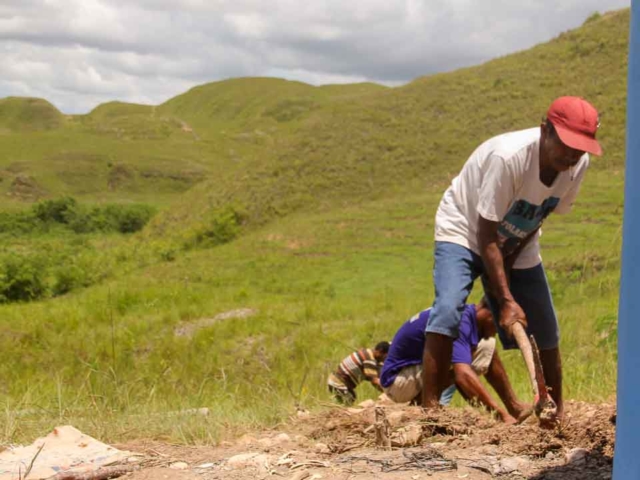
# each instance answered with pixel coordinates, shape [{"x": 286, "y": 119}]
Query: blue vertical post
[{"x": 626, "y": 464}]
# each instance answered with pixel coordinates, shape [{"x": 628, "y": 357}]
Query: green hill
[
  {"x": 28, "y": 114},
  {"x": 295, "y": 224},
  {"x": 417, "y": 136},
  {"x": 244, "y": 102},
  {"x": 120, "y": 109},
  {"x": 158, "y": 151}
]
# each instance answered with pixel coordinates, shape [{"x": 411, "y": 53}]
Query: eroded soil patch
[{"x": 340, "y": 443}]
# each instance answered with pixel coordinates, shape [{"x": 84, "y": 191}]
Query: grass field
[{"x": 311, "y": 206}]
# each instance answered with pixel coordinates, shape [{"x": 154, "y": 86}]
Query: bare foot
[
  {"x": 508, "y": 419},
  {"x": 523, "y": 412}
]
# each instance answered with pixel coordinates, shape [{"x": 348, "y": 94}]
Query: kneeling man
[{"x": 401, "y": 376}]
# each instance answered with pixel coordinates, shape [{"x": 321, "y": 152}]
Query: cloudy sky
[{"x": 80, "y": 53}]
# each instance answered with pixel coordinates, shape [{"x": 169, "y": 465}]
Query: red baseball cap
[{"x": 576, "y": 122}]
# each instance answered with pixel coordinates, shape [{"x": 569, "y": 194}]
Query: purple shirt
[{"x": 407, "y": 346}]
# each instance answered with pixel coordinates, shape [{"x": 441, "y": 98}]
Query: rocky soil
[{"x": 378, "y": 440}]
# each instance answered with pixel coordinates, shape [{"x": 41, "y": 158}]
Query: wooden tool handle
[{"x": 525, "y": 347}]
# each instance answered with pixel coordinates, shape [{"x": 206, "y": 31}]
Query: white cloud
[{"x": 78, "y": 53}]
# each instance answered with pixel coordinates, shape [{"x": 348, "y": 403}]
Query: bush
[
  {"x": 82, "y": 219},
  {"x": 111, "y": 218},
  {"x": 128, "y": 218},
  {"x": 86, "y": 221},
  {"x": 593, "y": 17},
  {"x": 61, "y": 210},
  {"x": 20, "y": 223},
  {"x": 70, "y": 277},
  {"x": 68, "y": 213},
  {"x": 22, "y": 279},
  {"x": 222, "y": 227}
]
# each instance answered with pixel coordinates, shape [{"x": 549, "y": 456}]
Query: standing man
[
  {"x": 488, "y": 224},
  {"x": 363, "y": 364}
]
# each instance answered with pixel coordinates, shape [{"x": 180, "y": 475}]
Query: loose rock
[
  {"x": 300, "y": 475},
  {"x": 322, "y": 448},
  {"x": 576, "y": 456},
  {"x": 244, "y": 460}
]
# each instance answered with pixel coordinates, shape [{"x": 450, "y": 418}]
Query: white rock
[
  {"x": 206, "y": 465},
  {"x": 246, "y": 440},
  {"x": 179, "y": 466},
  {"x": 315, "y": 476},
  {"x": 265, "y": 442},
  {"x": 576, "y": 456},
  {"x": 489, "y": 451},
  {"x": 367, "y": 404},
  {"x": 407, "y": 436},
  {"x": 300, "y": 475},
  {"x": 285, "y": 459},
  {"x": 321, "y": 448},
  {"x": 396, "y": 418},
  {"x": 244, "y": 460},
  {"x": 282, "y": 438},
  {"x": 509, "y": 465}
]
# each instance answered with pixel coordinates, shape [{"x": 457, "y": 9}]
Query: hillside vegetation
[
  {"x": 28, "y": 114},
  {"x": 306, "y": 212},
  {"x": 420, "y": 134}
]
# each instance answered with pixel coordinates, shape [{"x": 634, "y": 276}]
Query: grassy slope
[
  {"x": 124, "y": 152},
  {"x": 343, "y": 271},
  {"x": 417, "y": 136},
  {"x": 28, "y": 114}
]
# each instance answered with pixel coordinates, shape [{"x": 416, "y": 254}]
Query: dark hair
[{"x": 383, "y": 347}]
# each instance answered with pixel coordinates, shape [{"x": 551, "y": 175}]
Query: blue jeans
[{"x": 456, "y": 268}]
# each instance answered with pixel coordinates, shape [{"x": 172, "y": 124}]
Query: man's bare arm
[
  {"x": 511, "y": 259},
  {"x": 510, "y": 311},
  {"x": 472, "y": 389},
  {"x": 375, "y": 381},
  {"x": 499, "y": 380}
]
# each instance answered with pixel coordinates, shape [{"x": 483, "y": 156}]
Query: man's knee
[{"x": 445, "y": 317}]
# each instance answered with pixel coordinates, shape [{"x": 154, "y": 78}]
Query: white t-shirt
[{"x": 501, "y": 182}]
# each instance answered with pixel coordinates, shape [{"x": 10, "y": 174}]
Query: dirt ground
[{"x": 343, "y": 443}]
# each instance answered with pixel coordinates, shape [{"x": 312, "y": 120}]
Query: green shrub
[
  {"x": 128, "y": 218},
  {"x": 22, "y": 279},
  {"x": 593, "y": 17},
  {"x": 61, "y": 210},
  {"x": 222, "y": 227},
  {"x": 111, "y": 218},
  {"x": 69, "y": 277},
  {"x": 20, "y": 223},
  {"x": 86, "y": 221},
  {"x": 66, "y": 211}
]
